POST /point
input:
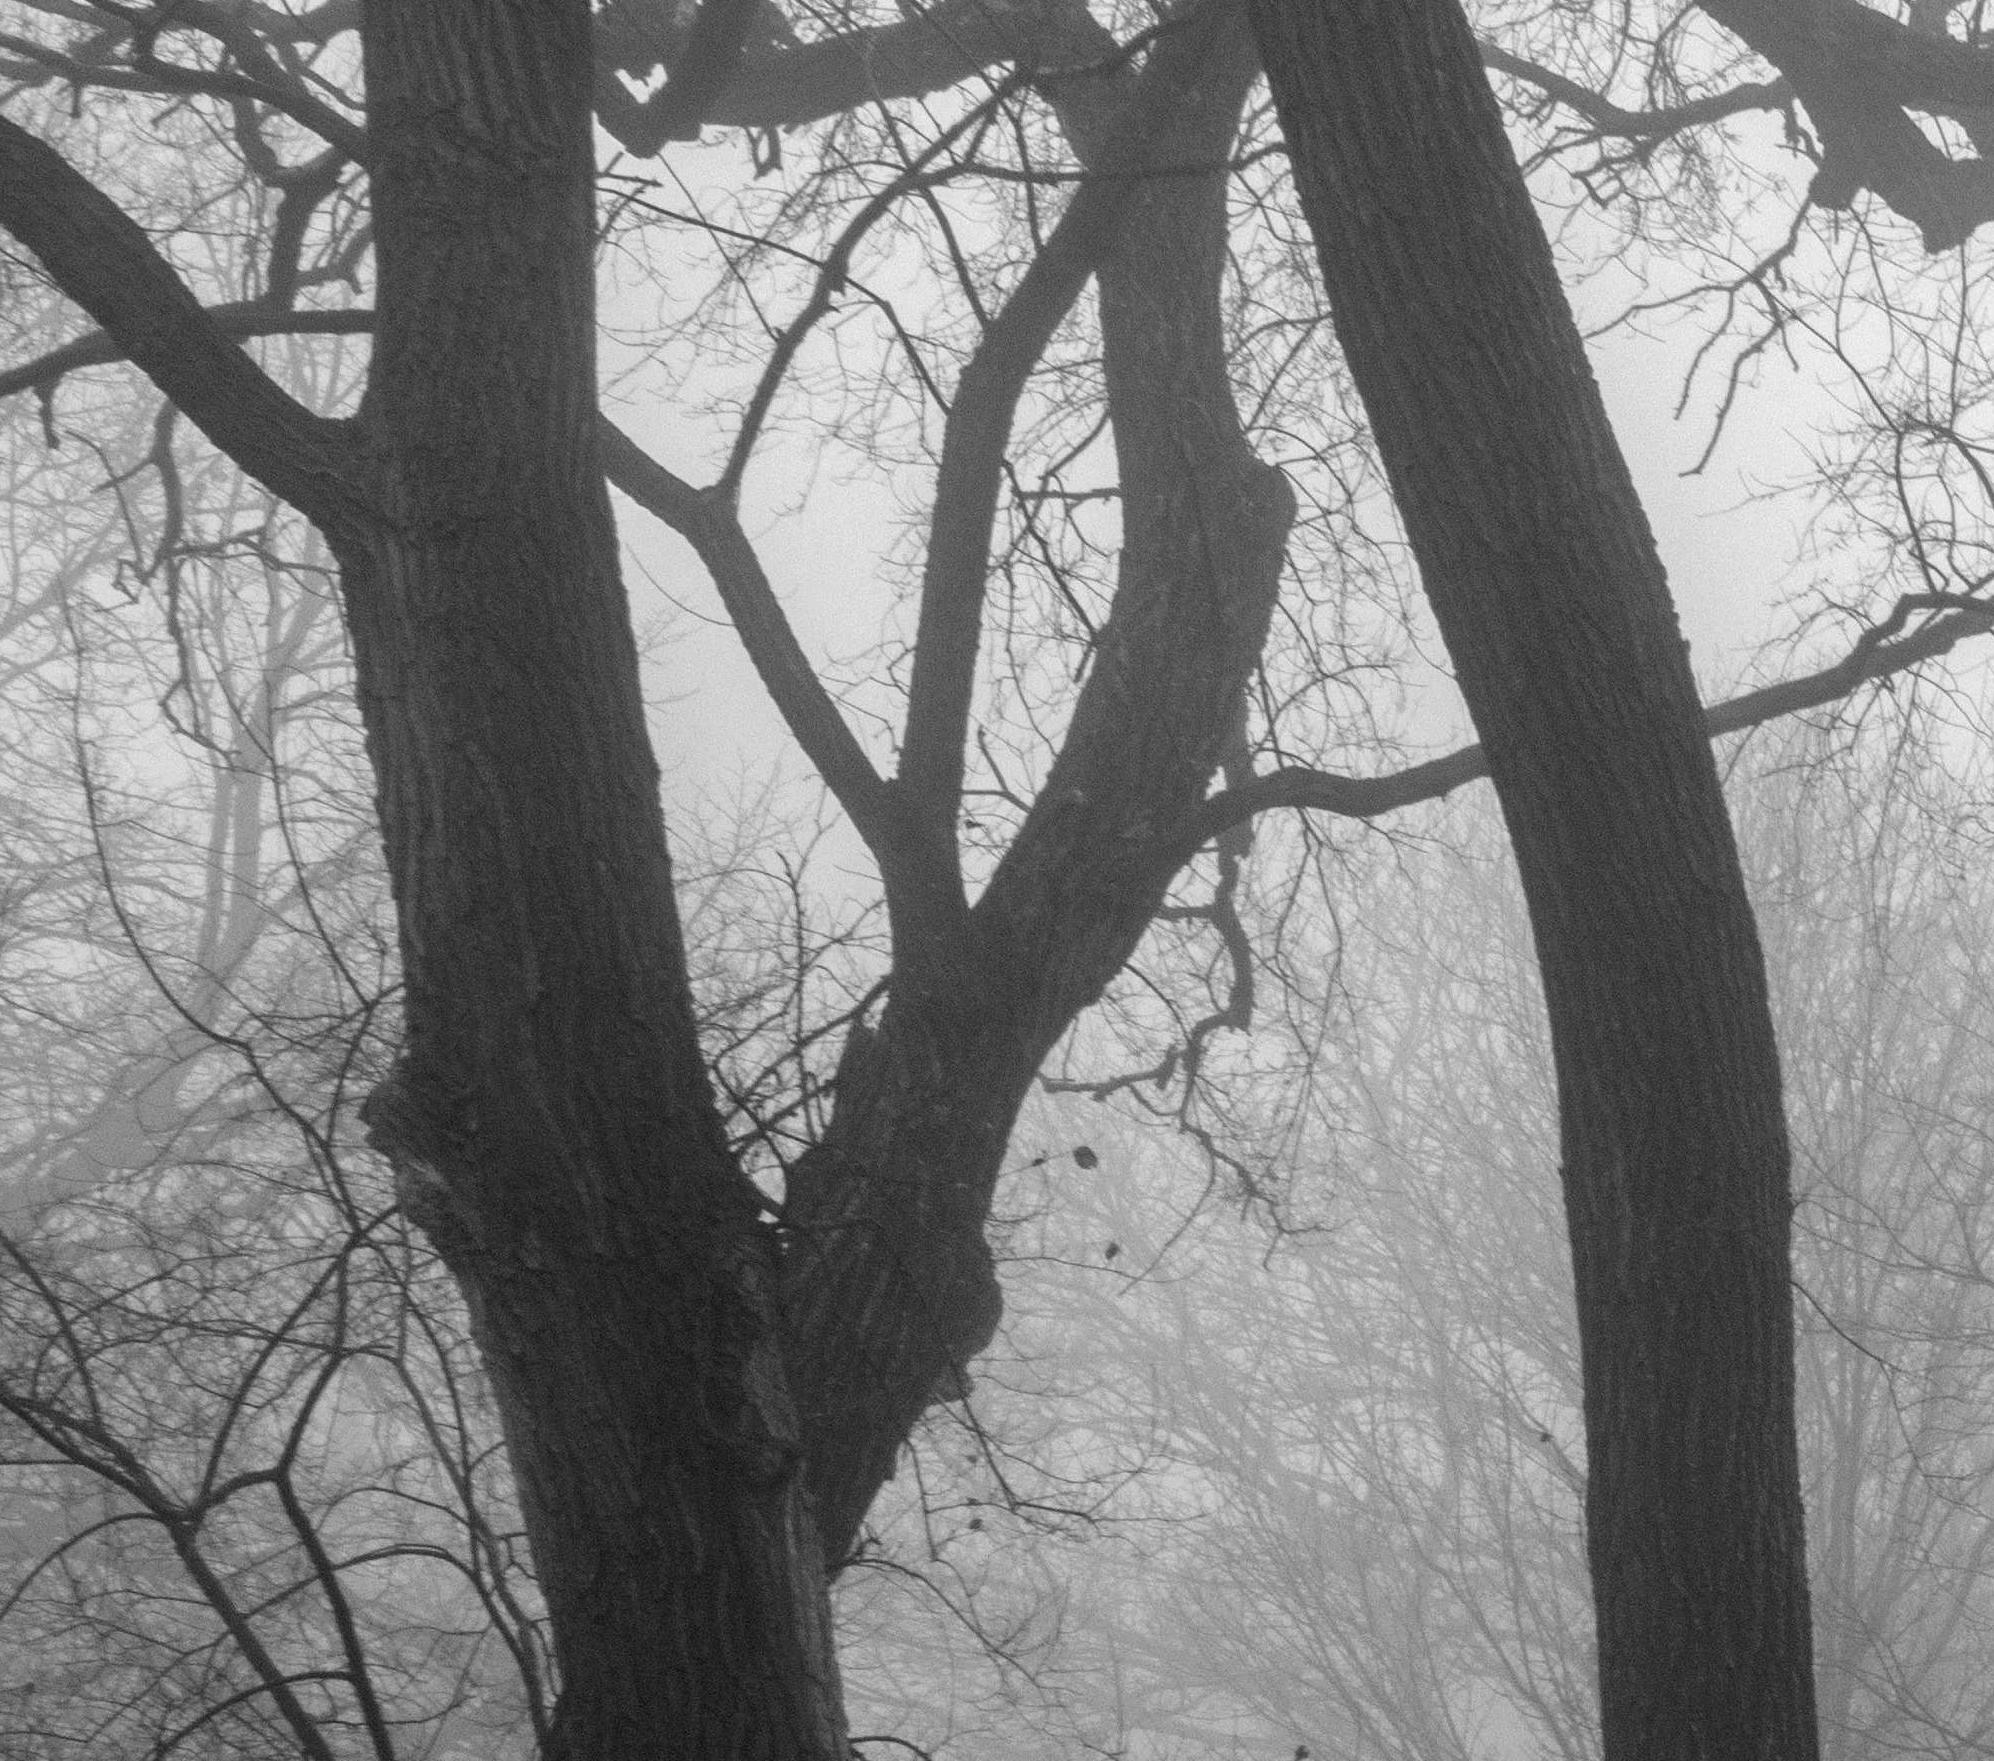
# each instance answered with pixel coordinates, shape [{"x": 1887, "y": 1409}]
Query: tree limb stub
[{"x": 707, "y": 65}]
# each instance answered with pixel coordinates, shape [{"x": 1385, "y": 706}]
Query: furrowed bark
[
  {"x": 550, "y": 1118},
  {"x": 1545, "y": 581}
]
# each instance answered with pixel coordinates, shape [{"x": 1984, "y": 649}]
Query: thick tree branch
[
  {"x": 319, "y": 25},
  {"x": 1608, "y": 118},
  {"x": 709, "y": 64},
  {"x": 102, "y": 260},
  {"x": 971, "y": 473},
  {"x": 934, "y": 49},
  {"x": 1858, "y": 72},
  {"x": 238, "y": 319},
  {"x": 1877, "y": 654},
  {"x": 708, "y": 523},
  {"x": 889, "y": 1287}
]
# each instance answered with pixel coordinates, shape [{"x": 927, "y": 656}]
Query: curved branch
[
  {"x": 99, "y": 257},
  {"x": 970, "y": 476},
  {"x": 833, "y": 276},
  {"x": 1878, "y": 653},
  {"x": 1858, "y": 72}
]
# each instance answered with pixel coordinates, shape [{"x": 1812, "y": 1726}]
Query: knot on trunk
[
  {"x": 414, "y": 1128},
  {"x": 973, "y": 1303}
]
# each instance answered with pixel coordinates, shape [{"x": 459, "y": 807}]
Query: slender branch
[
  {"x": 1875, "y": 656},
  {"x": 833, "y": 275},
  {"x": 708, "y": 523},
  {"x": 827, "y": 740},
  {"x": 238, "y": 319},
  {"x": 99, "y": 256},
  {"x": 1608, "y": 118},
  {"x": 1878, "y": 653},
  {"x": 263, "y": 82}
]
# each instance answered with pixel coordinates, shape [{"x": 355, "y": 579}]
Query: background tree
[{"x": 1067, "y": 699}]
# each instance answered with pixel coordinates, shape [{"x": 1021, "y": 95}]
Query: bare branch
[
  {"x": 930, "y": 51},
  {"x": 237, "y": 319},
  {"x": 1858, "y": 72},
  {"x": 102, "y": 259},
  {"x": 833, "y": 276},
  {"x": 970, "y": 476},
  {"x": 707, "y": 522},
  {"x": 261, "y": 80},
  {"x": 1608, "y": 118},
  {"x": 1876, "y": 655}
]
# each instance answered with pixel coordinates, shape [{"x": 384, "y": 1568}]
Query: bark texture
[
  {"x": 1546, "y": 583},
  {"x": 889, "y": 1288},
  {"x": 550, "y": 1119}
]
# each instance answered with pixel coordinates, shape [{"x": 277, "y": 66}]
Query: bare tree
[
  {"x": 1551, "y": 596},
  {"x": 703, "y": 1387}
]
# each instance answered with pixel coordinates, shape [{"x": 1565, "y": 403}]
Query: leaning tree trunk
[
  {"x": 550, "y": 1118},
  {"x": 1552, "y": 600}
]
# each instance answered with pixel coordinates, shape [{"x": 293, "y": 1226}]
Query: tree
[
  {"x": 550, "y": 1115},
  {"x": 1355, "y": 1518},
  {"x": 701, "y": 1395},
  {"x": 1551, "y": 596}
]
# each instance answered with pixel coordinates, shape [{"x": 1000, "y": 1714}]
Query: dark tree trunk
[
  {"x": 550, "y": 1118},
  {"x": 1547, "y": 587},
  {"x": 889, "y": 1287},
  {"x": 550, "y": 1121}
]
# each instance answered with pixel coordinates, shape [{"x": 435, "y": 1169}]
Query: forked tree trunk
[
  {"x": 1546, "y": 583},
  {"x": 889, "y": 1285},
  {"x": 550, "y": 1119}
]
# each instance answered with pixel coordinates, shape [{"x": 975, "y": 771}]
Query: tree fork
[{"x": 551, "y": 1119}]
